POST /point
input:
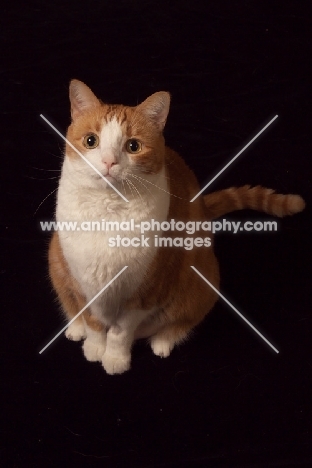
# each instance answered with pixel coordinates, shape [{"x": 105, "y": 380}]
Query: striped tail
[{"x": 255, "y": 198}]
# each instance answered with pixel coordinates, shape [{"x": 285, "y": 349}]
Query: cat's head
[{"x": 117, "y": 140}]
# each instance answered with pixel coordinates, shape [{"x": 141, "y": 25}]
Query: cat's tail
[{"x": 255, "y": 198}]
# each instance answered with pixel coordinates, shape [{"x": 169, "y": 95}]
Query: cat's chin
[{"x": 111, "y": 179}]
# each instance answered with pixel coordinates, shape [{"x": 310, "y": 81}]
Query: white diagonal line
[
  {"x": 83, "y": 309},
  {"x": 83, "y": 157},
  {"x": 233, "y": 159},
  {"x": 235, "y": 310}
]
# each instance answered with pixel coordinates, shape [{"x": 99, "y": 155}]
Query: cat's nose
[{"x": 109, "y": 164}]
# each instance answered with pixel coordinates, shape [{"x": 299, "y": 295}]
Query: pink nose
[{"x": 109, "y": 164}]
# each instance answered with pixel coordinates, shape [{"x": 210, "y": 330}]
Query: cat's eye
[
  {"x": 91, "y": 141},
  {"x": 133, "y": 146}
]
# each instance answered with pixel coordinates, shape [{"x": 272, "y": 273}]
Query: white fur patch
[
  {"x": 116, "y": 364},
  {"x": 161, "y": 346},
  {"x": 93, "y": 352},
  {"x": 111, "y": 136},
  {"x": 109, "y": 149},
  {"x": 95, "y": 345},
  {"x": 76, "y": 331},
  {"x": 84, "y": 197}
]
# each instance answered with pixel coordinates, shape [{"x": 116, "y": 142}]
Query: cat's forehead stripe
[
  {"x": 121, "y": 113},
  {"x": 111, "y": 133}
]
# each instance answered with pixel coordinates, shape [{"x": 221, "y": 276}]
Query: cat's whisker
[
  {"x": 140, "y": 182},
  {"x": 177, "y": 182},
  {"x": 131, "y": 190},
  {"x": 135, "y": 188},
  {"x": 45, "y": 200},
  {"x": 163, "y": 190},
  {"x": 123, "y": 186},
  {"x": 165, "y": 176},
  {"x": 57, "y": 155},
  {"x": 138, "y": 188},
  {"x": 168, "y": 163},
  {"x": 39, "y": 178},
  {"x": 46, "y": 170}
]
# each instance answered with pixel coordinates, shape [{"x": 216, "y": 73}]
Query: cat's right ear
[
  {"x": 156, "y": 108},
  {"x": 81, "y": 98}
]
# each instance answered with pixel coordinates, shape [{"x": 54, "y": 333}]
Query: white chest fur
[{"x": 90, "y": 258}]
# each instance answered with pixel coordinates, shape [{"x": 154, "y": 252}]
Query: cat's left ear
[
  {"x": 81, "y": 98},
  {"x": 156, "y": 108}
]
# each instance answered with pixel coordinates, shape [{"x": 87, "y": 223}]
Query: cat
[{"x": 158, "y": 296}]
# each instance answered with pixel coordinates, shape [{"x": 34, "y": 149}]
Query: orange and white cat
[{"x": 158, "y": 296}]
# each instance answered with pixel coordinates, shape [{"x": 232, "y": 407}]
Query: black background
[{"x": 224, "y": 398}]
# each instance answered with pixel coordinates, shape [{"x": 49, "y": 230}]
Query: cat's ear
[
  {"x": 81, "y": 98},
  {"x": 156, "y": 108}
]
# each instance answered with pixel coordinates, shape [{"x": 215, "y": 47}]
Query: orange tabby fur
[
  {"x": 183, "y": 299},
  {"x": 255, "y": 198}
]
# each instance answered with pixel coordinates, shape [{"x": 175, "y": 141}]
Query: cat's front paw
[
  {"x": 161, "y": 347},
  {"x": 116, "y": 365},
  {"x": 93, "y": 351},
  {"x": 75, "y": 331}
]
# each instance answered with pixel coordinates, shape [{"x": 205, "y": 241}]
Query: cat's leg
[
  {"x": 95, "y": 344},
  {"x": 183, "y": 315},
  {"x": 72, "y": 303},
  {"x": 76, "y": 330},
  {"x": 120, "y": 337},
  {"x": 163, "y": 342},
  {"x": 67, "y": 290}
]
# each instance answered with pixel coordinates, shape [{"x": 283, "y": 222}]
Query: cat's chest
[{"x": 88, "y": 248}]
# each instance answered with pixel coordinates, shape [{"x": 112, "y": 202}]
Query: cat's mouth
[{"x": 108, "y": 177}]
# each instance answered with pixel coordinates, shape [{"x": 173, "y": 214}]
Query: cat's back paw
[
  {"x": 161, "y": 346},
  {"x": 76, "y": 331},
  {"x": 116, "y": 365},
  {"x": 93, "y": 351}
]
